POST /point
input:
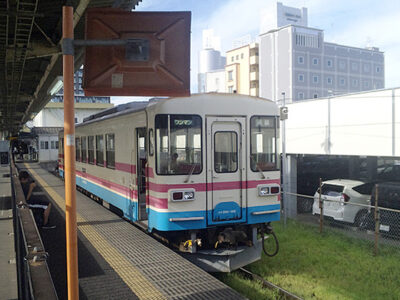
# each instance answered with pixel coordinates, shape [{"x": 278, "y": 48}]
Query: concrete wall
[
  {"x": 215, "y": 81},
  {"x": 363, "y": 124}
]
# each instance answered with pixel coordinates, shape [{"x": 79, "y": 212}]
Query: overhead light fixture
[{"x": 55, "y": 86}]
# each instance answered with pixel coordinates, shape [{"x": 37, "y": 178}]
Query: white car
[{"x": 340, "y": 197}]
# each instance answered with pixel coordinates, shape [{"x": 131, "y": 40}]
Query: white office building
[{"x": 295, "y": 61}]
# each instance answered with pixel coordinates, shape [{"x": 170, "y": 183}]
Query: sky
[{"x": 357, "y": 23}]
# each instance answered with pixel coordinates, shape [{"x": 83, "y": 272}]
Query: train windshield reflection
[{"x": 178, "y": 144}]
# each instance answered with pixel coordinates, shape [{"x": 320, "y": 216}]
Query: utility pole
[{"x": 284, "y": 161}]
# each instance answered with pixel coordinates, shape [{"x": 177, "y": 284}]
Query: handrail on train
[{"x": 34, "y": 279}]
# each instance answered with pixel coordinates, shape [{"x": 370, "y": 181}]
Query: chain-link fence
[{"x": 372, "y": 216}]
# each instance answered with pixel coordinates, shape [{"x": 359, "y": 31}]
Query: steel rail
[{"x": 269, "y": 285}]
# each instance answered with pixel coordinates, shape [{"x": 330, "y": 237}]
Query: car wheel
[{"x": 360, "y": 218}]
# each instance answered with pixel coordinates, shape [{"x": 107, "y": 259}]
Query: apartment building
[{"x": 241, "y": 70}]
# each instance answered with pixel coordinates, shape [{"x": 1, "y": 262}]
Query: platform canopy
[{"x": 30, "y": 53}]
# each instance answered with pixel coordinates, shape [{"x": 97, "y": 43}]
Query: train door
[
  {"x": 226, "y": 165},
  {"x": 141, "y": 172}
]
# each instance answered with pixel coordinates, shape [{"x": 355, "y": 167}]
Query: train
[{"x": 200, "y": 172}]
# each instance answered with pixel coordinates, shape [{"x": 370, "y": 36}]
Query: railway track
[{"x": 266, "y": 284}]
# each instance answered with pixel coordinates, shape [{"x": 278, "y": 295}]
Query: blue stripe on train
[
  {"x": 128, "y": 207},
  {"x": 169, "y": 221}
]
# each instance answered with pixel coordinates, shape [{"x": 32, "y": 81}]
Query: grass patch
[{"x": 327, "y": 266}]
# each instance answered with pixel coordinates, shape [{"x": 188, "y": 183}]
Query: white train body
[{"x": 194, "y": 163}]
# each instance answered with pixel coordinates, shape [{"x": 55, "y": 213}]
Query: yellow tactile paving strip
[{"x": 133, "y": 278}]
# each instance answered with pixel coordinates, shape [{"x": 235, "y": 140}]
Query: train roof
[{"x": 137, "y": 106}]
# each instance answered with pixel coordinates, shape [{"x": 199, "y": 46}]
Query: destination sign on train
[
  {"x": 264, "y": 122},
  {"x": 183, "y": 122}
]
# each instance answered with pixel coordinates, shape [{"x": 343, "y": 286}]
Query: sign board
[{"x": 154, "y": 59}]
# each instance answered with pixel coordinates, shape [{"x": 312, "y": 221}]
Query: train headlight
[
  {"x": 182, "y": 195},
  {"x": 188, "y": 195},
  {"x": 263, "y": 191},
  {"x": 268, "y": 190}
]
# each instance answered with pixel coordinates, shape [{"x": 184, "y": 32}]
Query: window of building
[
  {"x": 329, "y": 63},
  {"x": 300, "y": 59},
  {"x": 56, "y": 144},
  {"x": 77, "y": 149},
  {"x": 100, "y": 150},
  {"x": 355, "y": 82},
  {"x": 366, "y": 84},
  {"x": 329, "y": 80},
  {"x": 237, "y": 56},
  {"x": 315, "y": 61},
  {"x": 178, "y": 144},
  {"x": 232, "y": 58},
  {"x": 110, "y": 150},
  {"x": 230, "y": 75},
  {"x": 354, "y": 66},
  {"x": 315, "y": 95},
  {"x": 307, "y": 40},
  {"x": 300, "y": 96},
  {"x": 91, "y": 149},
  {"x": 53, "y": 144},
  {"x": 300, "y": 77},
  {"x": 366, "y": 68},
  {"x": 264, "y": 132},
  {"x": 315, "y": 78},
  {"x": 44, "y": 145},
  {"x": 378, "y": 69},
  {"x": 342, "y": 81},
  {"x": 230, "y": 89},
  {"x": 342, "y": 64},
  {"x": 242, "y": 56}
]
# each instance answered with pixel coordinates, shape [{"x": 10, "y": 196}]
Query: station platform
[
  {"x": 8, "y": 273},
  {"x": 116, "y": 259}
]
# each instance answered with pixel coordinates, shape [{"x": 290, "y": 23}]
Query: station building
[{"x": 47, "y": 123}]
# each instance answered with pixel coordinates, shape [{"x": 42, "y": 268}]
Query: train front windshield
[{"x": 178, "y": 144}]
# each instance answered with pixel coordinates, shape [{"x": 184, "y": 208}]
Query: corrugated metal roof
[
  {"x": 30, "y": 60},
  {"x": 46, "y": 130}
]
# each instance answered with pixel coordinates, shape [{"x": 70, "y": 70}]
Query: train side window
[
  {"x": 78, "y": 149},
  {"x": 84, "y": 148},
  {"x": 263, "y": 145},
  {"x": 110, "y": 150},
  {"x": 91, "y": 149},
  {"x": 225, "y": 152},
  {"x": 100, "y": 150}
]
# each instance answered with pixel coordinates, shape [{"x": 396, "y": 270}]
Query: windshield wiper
[
  {"x": 190, "y": 174},
  {"x": 258, "y": 168}
]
